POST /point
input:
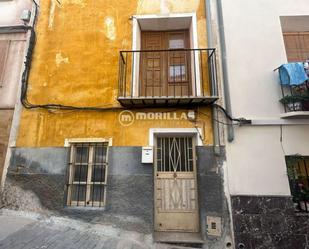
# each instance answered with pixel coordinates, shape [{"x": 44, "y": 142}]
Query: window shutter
[
  {"x": 297, "y": 46},
  {"x": 4, "y": 49}
]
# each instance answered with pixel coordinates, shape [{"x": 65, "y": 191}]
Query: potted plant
[
  {"x": 304, "y": 203},
  {"x": 293, "y": 102},
  {"x": 303, "y": 196},
  {"x": 305, "y": 104}
]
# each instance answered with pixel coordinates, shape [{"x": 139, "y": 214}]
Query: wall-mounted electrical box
[
  {"x": 147, "y": 155},
  {"x": 25, "y": 15},
  {"x": 213, "y": 225}
]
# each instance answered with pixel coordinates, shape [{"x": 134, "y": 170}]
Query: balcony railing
[
  {"x": 295, "y": 90},
  {"x": 295, "y": 98},
  {"x": 167, "y": 77}
]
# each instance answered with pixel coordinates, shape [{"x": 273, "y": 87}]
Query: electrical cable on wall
[
  {"x": 51, "y": 106},
  {"x": 25, "y": 77},
  {"x": 281, "y": 140}
]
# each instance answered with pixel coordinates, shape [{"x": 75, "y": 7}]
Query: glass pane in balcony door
[{"x": 178, "y": 63}]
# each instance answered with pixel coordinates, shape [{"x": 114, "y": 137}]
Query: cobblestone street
[{"x": 24, "y": 231}]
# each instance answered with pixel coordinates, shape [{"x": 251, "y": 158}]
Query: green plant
[
  {"x": 294, "y": 99},
  {"x": 299, "y": 190}
]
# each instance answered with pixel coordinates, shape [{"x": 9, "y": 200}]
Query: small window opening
[
  {"x": 298, "y": 173},
  {"x": 87, "y": 175}
]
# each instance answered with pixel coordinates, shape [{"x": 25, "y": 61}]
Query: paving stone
[{"x": 40, "y": 237}]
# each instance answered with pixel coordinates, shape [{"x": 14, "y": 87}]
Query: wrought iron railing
[
  {"x": 295, "y": 98},
  {"x": 174, "y": 73}
]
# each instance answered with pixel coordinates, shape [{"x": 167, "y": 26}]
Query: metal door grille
[{"x": 174, "y": 154}]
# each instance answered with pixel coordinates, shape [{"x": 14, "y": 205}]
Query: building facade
[
  {"x": 267, "y": 161},
  {"x": 14, "y": 16},
  {"x": 164, "y": 117},
  {"x": 117, "y": 125}
]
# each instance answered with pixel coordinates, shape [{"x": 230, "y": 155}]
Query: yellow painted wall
[{"x": 76, "y": 63}]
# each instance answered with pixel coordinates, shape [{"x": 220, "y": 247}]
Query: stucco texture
[{"x": 75, "y": 62}]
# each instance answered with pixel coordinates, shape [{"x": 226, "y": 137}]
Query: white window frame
[
  {"x": 153, "y": 132},
  {"x": 136, "y": 45}
]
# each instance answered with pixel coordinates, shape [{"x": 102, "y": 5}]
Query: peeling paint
[
  {"x": 51, "y": 14},
  {"x": 148, "y": 6},
  {"x": 60, "y": 59},
  {"x": 77, "y": 64},
  {"x": 81, "y": 3},
  {"x": 109, "y": 28},
  {"x": 201, "y": 29},
  {"x": 183, "y": 5},
  {"x": 167, "y": 6},
  {"x": 164, "y": 7}
]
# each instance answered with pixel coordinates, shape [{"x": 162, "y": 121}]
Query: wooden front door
[
  {"x": 176, "y": 202},
  {"x": 165, "y": 73}
]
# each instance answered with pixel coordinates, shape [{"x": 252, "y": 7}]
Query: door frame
[
  {"x": 190, "y": 132},
  {"x": 165, "y": 83},
  {"x": 185, "y": 21}
]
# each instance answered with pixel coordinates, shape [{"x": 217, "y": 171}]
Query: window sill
[{"x": 82, "y": 208}]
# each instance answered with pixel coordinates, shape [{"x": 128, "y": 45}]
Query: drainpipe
[
  {"x": 225, "y": 79},
  {"x": 215, "y": 125}
]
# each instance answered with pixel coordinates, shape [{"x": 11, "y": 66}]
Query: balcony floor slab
[
  {"x": 295, "y": 115},
  {"x": 166, "y": 101}
]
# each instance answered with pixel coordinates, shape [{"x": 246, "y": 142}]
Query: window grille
[
  {"x": 87, "y": 176},
  {"x": 174, "y": 154},
  {"x": 298, "y": 173}
]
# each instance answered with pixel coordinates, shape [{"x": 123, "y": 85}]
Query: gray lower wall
[
  {"x": 212, "y": 200},
  {"x": 37, "y": 176}
]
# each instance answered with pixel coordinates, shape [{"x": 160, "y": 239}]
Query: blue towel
[{"x": 292, "y": 74}]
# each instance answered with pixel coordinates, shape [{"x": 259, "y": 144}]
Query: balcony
[
  {"x": 295, "y": 91},
  {"x": 173, "y": 77}
]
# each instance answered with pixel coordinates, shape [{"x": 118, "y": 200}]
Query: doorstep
[{"x": 178, "y": 237}]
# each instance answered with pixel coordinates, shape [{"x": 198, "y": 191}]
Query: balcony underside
[
  {"x": 166, "y": 101},
  {"x": 295, "y": 115}
]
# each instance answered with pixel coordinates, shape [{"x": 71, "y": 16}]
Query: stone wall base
[{"x": 266, "y": 222}]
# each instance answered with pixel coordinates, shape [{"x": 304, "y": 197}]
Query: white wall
[
  {"x": 12, "y": 69},
  {"x": 255, "y": 160},
  {"x": 10, "y": 11}
]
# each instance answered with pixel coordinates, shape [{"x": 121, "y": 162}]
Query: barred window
[
  {"x": 87, "y": 174},
  {"x": 298, "y": 173}
]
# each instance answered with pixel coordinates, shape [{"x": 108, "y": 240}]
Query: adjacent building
[
  {"x": 117, "y": 121},
  {"x": 14, "y": 17},
  {"x": 267, "y": 161}
]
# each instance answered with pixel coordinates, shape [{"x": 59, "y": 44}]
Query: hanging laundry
[{"x": 292, "y": 74}]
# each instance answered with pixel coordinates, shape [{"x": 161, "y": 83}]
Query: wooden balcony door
[
  {"x": 176, "y": 202},
  {"x": 165, "y": 73}
]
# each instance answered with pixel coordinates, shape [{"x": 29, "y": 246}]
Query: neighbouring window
[
  {"x": 295, "y": 31},
  {"x": 298, "y": 173},
  {"x": 87, "y": 174},
  {"x": 297, "y": 46},
  {"x": 4, "y": 48}
]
